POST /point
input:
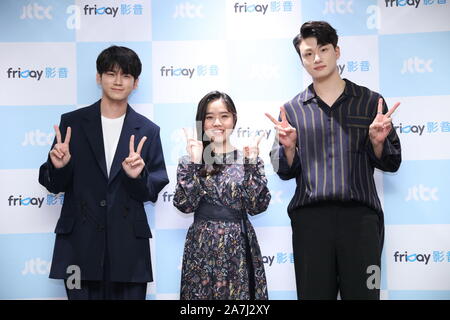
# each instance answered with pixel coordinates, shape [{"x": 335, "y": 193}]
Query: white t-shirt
[{"x": 111, "y": 133}]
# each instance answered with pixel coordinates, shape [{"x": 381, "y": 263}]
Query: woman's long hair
[{"x": 200, "y": 123}]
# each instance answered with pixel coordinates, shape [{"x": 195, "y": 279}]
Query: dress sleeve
[
  {"x": 188, "y": 191},
  {"x": 256, "y": 195}
]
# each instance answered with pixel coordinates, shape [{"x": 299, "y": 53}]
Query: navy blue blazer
[{"x": 102, "y": 212}]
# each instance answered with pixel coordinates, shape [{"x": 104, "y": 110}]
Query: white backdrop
[{"x": 399, "y": 48}]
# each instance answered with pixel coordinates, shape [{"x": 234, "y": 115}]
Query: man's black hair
[
  {"x": 321, "y": 30},
  {"x": 119, "y": 57}
]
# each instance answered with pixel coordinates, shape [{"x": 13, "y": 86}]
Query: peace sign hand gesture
[
  {"x": 133, "y": 164},
  {"x": 381, "y": 125},
  {"x": 286, "y": 133},
  {"x": 194, "y": 147},
  {"x": 60, "y": 154},
  {"x": 251, "y": 151}
]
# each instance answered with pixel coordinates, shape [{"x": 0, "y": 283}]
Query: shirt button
[{"x": 103, "y": 203}]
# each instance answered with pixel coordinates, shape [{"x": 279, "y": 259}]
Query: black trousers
[
  {"x": 334, "y": 243},
  {"x": 107, "y": 289}
]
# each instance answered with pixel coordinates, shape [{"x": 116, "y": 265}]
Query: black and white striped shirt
[{"x": 335, "y": 159}]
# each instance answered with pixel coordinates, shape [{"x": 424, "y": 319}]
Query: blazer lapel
[
  {"x": 92, "y": 126},
  {"x": 130, "y": 126}
]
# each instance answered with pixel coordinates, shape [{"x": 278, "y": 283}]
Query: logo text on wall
[
  {"x": 416, "y": 65},
  {"x": 123, "y": 9},
  {"x": 437, "y": 256},
  {"x": 259, "y": 8},
  {"x": 38, "y": 138},
  {"x": 338, "y": 6},
  {"x": 188, "y": 10},
  {"x": 19, "y": 201},
  {"x": 200, "y": 70},
  {"x": 431, "y": 127},
  {"x": 35, "y": 11},
  {"x": 422, "y": 193},
  {"x": 47, "y": 73},
  {"x": 412, "y": 3}
]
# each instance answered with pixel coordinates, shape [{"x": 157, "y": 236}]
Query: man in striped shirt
[{"x": 330, "y": 138}]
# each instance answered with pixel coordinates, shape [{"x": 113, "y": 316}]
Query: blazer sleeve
[
  {"x": 153, "y": 177},
  {"x": 53, "y": 179}
]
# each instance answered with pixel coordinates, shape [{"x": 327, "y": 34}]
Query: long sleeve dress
[{"x": 215, "y": 253}]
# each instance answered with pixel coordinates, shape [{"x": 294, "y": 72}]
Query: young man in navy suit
[{"x": 108, "y": 160}]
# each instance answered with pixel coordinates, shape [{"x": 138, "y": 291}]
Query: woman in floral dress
[{"x": 222, "y": 185}]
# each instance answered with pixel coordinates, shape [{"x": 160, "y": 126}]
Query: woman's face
[{"x": 219, "y": 122}]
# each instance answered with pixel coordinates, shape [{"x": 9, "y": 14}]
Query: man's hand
[
  {"x": 286, "y": 133},
  {"x": 60, "y": 154},
  {"x": 380, "y": 127},
  {"x": 133, "y": 164}
]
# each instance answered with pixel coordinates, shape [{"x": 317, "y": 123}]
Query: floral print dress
[{"x": 214, "y": 261}]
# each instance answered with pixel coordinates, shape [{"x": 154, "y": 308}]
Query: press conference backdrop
[{"x": 399, "y": 48}]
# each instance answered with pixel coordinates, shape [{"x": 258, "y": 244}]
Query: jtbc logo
[
  {"x": 38, "y": 138},
  {"x": 422, "y": 193},
  {"x": 35, "y": 11},
  {"x": 338, "y": 6},
  {"x": 413, "y": 65},
  {"x": 264, "y": 72},
  {"x": 188, "y": 10},
  {"x": 36, "y": 266}
]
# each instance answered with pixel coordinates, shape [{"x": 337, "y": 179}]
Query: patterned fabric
[{"x": 214, "y": 261}]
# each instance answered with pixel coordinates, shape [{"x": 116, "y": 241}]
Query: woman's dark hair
[
  {"x": 121, "y": 57},
  {"x": 200, "y": 123},
  {"x": 321, "y": 30}
]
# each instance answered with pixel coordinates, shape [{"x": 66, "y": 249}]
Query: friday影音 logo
[
  {"x": 413, "y": 3},
  {"x": 189, "y": 72},
  {"x": 121, "y": 10},
  {"x": 431, "y": 127},
  {"x": 37, "y": 74},
  {"x": 437, "y": 256},
  {"x": 263, "y": 8},
  {"x": 25, "y": 201}
]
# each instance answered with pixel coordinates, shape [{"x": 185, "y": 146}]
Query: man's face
[
  {"x": 319, "y": 61},
  {"x": 116, "y": 85}
]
